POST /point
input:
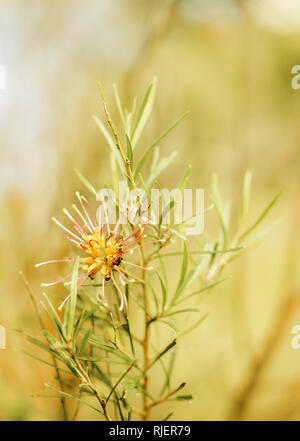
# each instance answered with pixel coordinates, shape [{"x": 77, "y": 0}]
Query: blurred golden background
[{"x": 229, "y": 63}]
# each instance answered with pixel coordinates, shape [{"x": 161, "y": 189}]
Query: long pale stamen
[
  {"x": 54, "y": 261},
  {"x": 90, "y": 209},
  {"x": 145, "y": 243},
  {"x": 74, "y": 241},
  {"x": 137, "y": 266},
  {"x": 133, "y": 234},
  {"x": 85, "y": 212},
  {"x": 64, "y": 302},
  {"x": 124, "y": 295},
  {"x": 82, "y": 217},
  {"x": 124, "y": 212},
  {"x": 82, "y": 281},
  {"x": 118, "y": 223},
  {"x": 134, "y": 239},
  {"x": 106, "y": 218},
  {"x": 122, "y": 275},
  {"x": 76, "y": 224},
  {"x": 78, "y": 278},
  {"x": 120, "y": 293},
  {"x": 102, "y": 295},
  {"x": 79, "y": 229},
  {"x": 66, "y": 229},
  {"x": 132, "y": 243},
  {"x": 57, "y": 281},
  {"x": 100, "y": 226}
]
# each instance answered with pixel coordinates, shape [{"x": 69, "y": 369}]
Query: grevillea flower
[{"x": 103, "y": 249}]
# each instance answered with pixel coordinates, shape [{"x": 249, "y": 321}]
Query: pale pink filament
[
  {"x": 54, "y": 261},
  {"x": 57, "y": 281},
  {"x": 120, "y": 293}
]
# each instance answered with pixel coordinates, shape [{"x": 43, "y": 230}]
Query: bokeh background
[{"x": 229, "y": 63}]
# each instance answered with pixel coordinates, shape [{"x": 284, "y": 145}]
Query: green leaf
[
  {"x": 50, "y": 338},
  {"x": 246, "y": 197},
  {"x": 36, "y": 342},
  {"x": 163, "y": 290},
  {"x": 85, "y": 182},
  {"x": 102, "y": 359},
  {"x": 72, "y": 301},
  {"x": 181, "y": 386},
  {"x": 127, "y": 326},
  {"x": 129, "y": 150},
  {"x": 205, "y": 288},
  {"x": 94, "y": 341},
  {"x": 69, "y": 395},
  {"x": 84, "y": 341},
  {"x": 154, "y": 297},
  {"x": 260, "y": 218},
  {"x": 163, "y": 164},
  {"x": 154, "y": 143},
  {"x": 184, "y": 264},
  {"x": 194, "y": 326},
  {"x": 113, "y": 167},
  {"x": 192, "y": 275},
  {"x": 212, "y": 252},
  {"x": 169, "y": 323},
  {"x": 144, "y": 113},
  {"x": 182, "y": 311},
  {"x": 184, "y": 397},
  {"x": 111, "y": 143},
  {"x": 163, "y": 352},
  {"x": 167, "y": 383},
  {"x": 166, "y": 211},
  {"x": 43, "y": 361},
  {"x": 168, "y": 416},
  {"x": 119, "y": 105},
  {"x": 219, "y": 208},
  {"x": 52, "y": 309},
  {"x": 184, "y": 179},
  {"x": 56, "y": 326}
]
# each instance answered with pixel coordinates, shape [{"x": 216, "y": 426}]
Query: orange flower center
[{"x": 104, "y": 253}]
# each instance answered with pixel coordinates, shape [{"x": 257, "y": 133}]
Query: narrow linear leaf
[
  {"x": 260, "y": 218},
  {"x": 168, "y": 416},
  {"x": 170, "y": 324},
  {"x": 73, "y": 299},
  {"x": 184, "y": 179},
  {"x": 154, "y": 143},
  {"x": 111, "y": 143},
  {"x": 144, "y": 113},
  {"x": 192, "y": 275},
  {"x": 163, "y": 290},
  {"x": 163, "y": 164},
  {"x": 205, "y": 288},
  {"x": 84, "y": 341},
  {"x": 129, "y": 150},
  {"x": 246, "y": 196},
  {"x": 184, "y": 264},
  {"x": 163, "y": 352},
  {"x": 182, "y": 311},
  {"x": 43, "y": 361},
  {"x": 119, "y": 105},
  {"x": 69, "y": 395},
  {"x": 194, "y": 326},
  {"x": 85, "y": 182},
  {"x": 184, "y": 397},
  {"x": 219, "y": 207}
]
